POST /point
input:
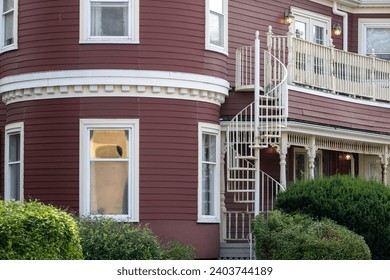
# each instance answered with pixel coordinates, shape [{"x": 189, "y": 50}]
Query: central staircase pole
[{"x": 256, "y": 126}]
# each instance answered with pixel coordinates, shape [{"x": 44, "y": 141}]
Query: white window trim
[
  {"x": 13, "y": 129},
  {"x": 14, "y": 45},
  {"x": 84, "y": 187},
  {"x": 85, "y": 25},
  {"x": 212, "y": 129},
  {"x": 365, "y": 23},
  {"x": 208, "y": 45},
  {"x": 297, "y": 12}
]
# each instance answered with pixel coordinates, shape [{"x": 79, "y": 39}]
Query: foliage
[
  {"x": 178, "y": 251},
  {"x": 106, "y": 239},
  {"x": 361, "y": 205},
  {"x": 288, "y": 237},
  {"x": 34, "y": 231}
]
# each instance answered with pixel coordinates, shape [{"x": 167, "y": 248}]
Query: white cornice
[
  {"x": 112, "y": 83},
  {"x": 359, "y": 7}
]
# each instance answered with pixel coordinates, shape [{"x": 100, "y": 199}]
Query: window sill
[
  {"x": 208, "y": 221},
  {"x": 215, "y": 48},
  {"x": 109, "y": 41},
  {"x": 8, "y": 48}
]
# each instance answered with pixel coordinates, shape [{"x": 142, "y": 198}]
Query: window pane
[
  {"x": 300, "y": 29},
  {"x": 208, "y": 179},
  {"x": 14, "y": 147},
  {"x": 109, "y": 143},
  {"x": 109, "y": 19},
  {"x": 8, "y": 29},
  {"x": 319, "y": 35},
  {"x": 8, "y": 5},
  {"x": 300, "y": 166},
  {"x": 109, "y": 188},
  {"x": 209, "y": 148},
  {"x": 379, "y": 40},
  {"x": 216, "y": 6},
  {"x": 14, "y": 176},
  {"x": 216, "y": 29}
]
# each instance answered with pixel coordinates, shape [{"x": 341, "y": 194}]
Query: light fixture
[
  {"x": 288, "y": 17},
  {"x": 337, "y": 29},
  {"x": 348, "y": 156}
]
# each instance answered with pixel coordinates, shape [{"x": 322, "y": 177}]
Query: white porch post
[
  {"x": 311, "y": 153},
  {"x": 282, "y": 155},
  {"x": 256, "y": 123},
  {"x": 222, "y": 230},
  {"x": 385, "y": 162}
]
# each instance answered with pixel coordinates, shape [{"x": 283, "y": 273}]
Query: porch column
[
  {"x": 222, "y": 230},
  {"x": 385, "y": 163},
  {"x": 282, "y": 150},
  {"x": 311, "y": 153}
]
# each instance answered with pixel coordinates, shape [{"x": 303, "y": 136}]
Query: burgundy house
[{"x": 179, "y": 115}]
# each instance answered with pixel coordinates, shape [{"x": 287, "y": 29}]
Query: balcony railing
[{"x": 324, "y": 68}]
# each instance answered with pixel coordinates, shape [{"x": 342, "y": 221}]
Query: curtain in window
[
  {"x": 109, "y": 18},
  {"x": 379, "y": 40},
  {"x": 209, "y": 161},
  {"x": 109, "y": 172}
]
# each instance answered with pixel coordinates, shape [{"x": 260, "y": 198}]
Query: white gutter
[{"x": 345, "y": 25}]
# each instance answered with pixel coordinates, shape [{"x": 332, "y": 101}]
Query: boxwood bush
[
  {"x": 106, "y": 239},
  {"x": 174, "y": 250},
  {"x": 103, "y": 238},
  {"x": 299, "y": 237},
  {"x": 34, "y": 231},
  {"x": 361, "y": 205}
]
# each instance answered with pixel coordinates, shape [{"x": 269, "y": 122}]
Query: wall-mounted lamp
[
  {"x": 337, "y": 30},
  {"x": 288, "y": 17}
]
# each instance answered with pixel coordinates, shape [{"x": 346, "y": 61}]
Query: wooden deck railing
[{"x": 322, "y": 67}]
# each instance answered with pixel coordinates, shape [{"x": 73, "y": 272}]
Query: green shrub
[
  {"x": 361, "y": 205},
  {"x": 107, "y": 239},
  {"x": 34, "y": 231},
  {"x": 178, "y": 251},
  {"x": 299, "y": 237}
]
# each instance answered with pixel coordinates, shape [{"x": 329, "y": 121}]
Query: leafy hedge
[
  {"x": 34, "y": 231},
  {"x": 361, "y": 205},
  {"x": 299, "y": 237},
  {"x": 106, "y": 239}
]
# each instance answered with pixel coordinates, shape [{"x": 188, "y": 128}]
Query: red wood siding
[
  {"x": 168, "y": 155},
  {"x": 171, "y": 39},
  {"x": 330, "y": 111},
  {"x": 2, "y": 144}
]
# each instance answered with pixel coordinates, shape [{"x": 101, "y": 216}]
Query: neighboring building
[{"x": 128, "y": 108}]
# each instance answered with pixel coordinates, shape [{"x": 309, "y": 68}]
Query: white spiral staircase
[{"x": 256, "y": 127}]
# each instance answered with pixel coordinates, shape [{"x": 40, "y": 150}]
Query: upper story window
[
  {"x": 13, "y": 178},
  {"x": 311, "y": 26},
  {"x": 109, "y": 21},
  {"x": 374, "y": 36},
  {"x": 8, "y": 24},
  {"x": 217, "y": 25}
]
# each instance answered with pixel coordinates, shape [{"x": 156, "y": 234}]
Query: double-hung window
[
  {"x": 216, "y": 25},
  {"x": 8, "y": 30},
  {"x": 14, "y": 161},
  {"x": 109, "y": 21},
  {"x": 374, "y": 35},
  {"x": 209, "y": 166},
  {"x": 109, "y": 164}
]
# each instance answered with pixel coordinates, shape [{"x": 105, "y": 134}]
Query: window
[
  {"x": 311, "y": 26},
  {"x": 8, "y": 24},
  {"x": 14, "y": 162},
  {"x": 109, "y": 164},
  {"x": 375, "y": 37},
  {"x": 216, "y": 25},
  {"x": 109, "y": 21},
  {"x": 209, "y": 166}
]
